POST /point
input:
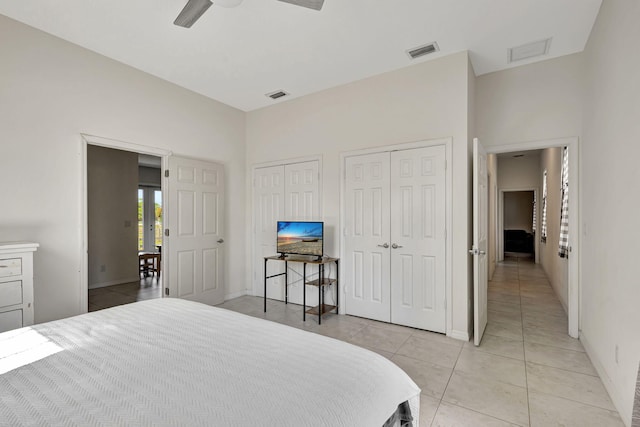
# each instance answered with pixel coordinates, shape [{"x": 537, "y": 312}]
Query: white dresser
[{"x": 16, "y": 284}]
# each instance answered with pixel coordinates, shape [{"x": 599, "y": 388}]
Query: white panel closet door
[
  {"x": 288, "y": 192},
  {"x": 302, "y": 203},
  {"x": 195, "y": 209},
  {"x": 418, "y": 242},
  {"x": 268, "y": 202},
  {"x": 366, "y": 233},
  {"x": 302, "y": 191}
]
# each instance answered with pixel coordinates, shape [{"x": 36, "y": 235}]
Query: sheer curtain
[
  {"x": 543, "y": 225},
  {"x": 563, "y": 247}
]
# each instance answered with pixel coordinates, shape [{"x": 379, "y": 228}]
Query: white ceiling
[{"x": 237, "y": 55}]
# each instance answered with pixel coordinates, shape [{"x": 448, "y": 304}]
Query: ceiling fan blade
[
  {"x": 311, "y": 4},
  {"x": 191, "y": 12}
]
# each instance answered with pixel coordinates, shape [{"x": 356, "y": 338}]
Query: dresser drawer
[
  {"x": 10, "y": 320},
  {"x": 10, "y": 267},
  {"x": 10, "y": 293}
]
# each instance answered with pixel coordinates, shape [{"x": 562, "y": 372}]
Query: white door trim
[
  {"x": 448, "y": 143},
  {"x": 575, "y": 255},
  {"x": 500, "y": 218},
  {"x": 252, "y": 241},
  {"x": 86, "y": 140}
]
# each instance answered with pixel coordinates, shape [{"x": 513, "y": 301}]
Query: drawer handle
[{"x": 4, "y": 266}]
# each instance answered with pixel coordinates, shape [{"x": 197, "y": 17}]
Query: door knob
[
  {"x": 220, "y": 240},
  {"x": 386, "y": 245},
  {"x": 394, "y": 246}
]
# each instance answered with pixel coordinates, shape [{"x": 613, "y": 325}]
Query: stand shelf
[{"x": 321, "y": 283}]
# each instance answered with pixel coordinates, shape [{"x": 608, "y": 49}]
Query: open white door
[
  {"x": 195, "y": 209},
  {"x": 479, "y": 249}
]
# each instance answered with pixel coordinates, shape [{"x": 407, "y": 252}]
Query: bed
[{"x": 175, "y": 362}]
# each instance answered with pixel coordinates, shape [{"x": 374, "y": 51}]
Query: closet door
[
  {"x": 418, "y": 241},
  {"x": 287, "y": 192},
  {"x": 268, "y": 204},
  {"x": 367, "y": 233}
]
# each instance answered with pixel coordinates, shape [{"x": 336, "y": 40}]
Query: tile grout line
[{"x": 524, "y": 351}]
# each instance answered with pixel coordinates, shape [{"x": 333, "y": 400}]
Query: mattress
[{"x": 175, "y": 362}]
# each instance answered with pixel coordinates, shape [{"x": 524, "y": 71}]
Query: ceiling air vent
[
  {"x": 529, "y": 50},
  {"x": 423, "y": 50},
  {"x": 278, "y": 94}
]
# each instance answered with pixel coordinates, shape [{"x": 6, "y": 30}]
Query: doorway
[
  {"x": 573, "y": 285},
  {"x": 124, "y": 209}
]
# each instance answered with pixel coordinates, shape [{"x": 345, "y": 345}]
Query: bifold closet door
[
  {"x": 288, "y": 192},
  {"x": 367, "y": 236},
  {"x": 418, "y": 241},
  {"x": 395, "y": 241},
  {"x": 268, "y": 204}
]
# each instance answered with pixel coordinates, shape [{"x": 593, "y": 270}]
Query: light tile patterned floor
[{"x": 526, "y": 372}]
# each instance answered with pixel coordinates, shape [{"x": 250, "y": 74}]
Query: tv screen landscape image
[{"x": 300, "y": 237}]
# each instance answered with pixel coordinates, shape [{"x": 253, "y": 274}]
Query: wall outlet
[
  {"x": 103, "y": 268},
  {"x": 127, "y": 224}
]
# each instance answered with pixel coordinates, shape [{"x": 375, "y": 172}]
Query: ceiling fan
[{"x": 194, "y": 9}]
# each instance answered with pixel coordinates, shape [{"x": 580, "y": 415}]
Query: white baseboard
[
  {"x": 235, "y": 295},
  {"x": 113, "y": 282},
  {"x": 614, "y": 393},
  {"x": 459, "y": 335}
]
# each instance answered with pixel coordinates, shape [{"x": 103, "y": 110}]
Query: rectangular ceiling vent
[
  {"x": 277, "y": 94},
  {"x": 423, "y": 50},
  {"x": 529, "y": 50}
]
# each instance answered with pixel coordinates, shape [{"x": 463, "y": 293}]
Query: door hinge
[
  {"x": 166, "y": 291},
  {"x": 166, "y": 232},
  {"x": 166, "y": 173}
]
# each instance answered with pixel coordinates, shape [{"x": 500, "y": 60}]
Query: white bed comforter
[{"x": 175, "y": 362}]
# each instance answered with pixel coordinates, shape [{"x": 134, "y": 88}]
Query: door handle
[
  {"x": 220, "y": 240},
  {"x": 395, "y": 246},
  {"x": 475, "y": 251},
  {"x": 386, "y": 245}
]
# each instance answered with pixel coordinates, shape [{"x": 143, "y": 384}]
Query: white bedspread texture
[{"x": 174, "y": 362}]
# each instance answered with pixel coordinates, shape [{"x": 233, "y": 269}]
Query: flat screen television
[{"x": 301, "y": 238}]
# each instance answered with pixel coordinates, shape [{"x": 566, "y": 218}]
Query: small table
[
  {"x": 321, "y": 282},
  {"x": 149, "y": 261}
]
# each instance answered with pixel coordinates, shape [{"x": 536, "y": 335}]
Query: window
[
  {"x": 543, "y": 225},
  {"x": 140, "y": 219},
  {"x": 149, "y": 218},
  {"x": 563, "y": 246}
]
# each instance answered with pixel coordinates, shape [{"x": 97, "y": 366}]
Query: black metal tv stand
[{"x": 321, "y": 283}]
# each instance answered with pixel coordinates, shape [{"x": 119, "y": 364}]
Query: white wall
[
  {"x": 51, "y": 91},
  {"x": 530, "y": 103},
  {"x": 424, "y": 101},
  {"x": 610, "y": 203},
  {"x": 492, "y": 169},
  {"x": 555, "y": 267},
  {"x": 112, "y": 208},
  {"x": 519, "y": 173}
]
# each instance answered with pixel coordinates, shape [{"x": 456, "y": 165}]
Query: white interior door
[
  {"x": 367, "y": 236},
  {"x": 195, "y": 209},
  {"x": 268, "y": 202},
  {"x": 418, "y": 241},
  {"x": 479, "y": 249}
]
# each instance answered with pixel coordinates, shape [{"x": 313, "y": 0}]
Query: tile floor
[
  {"x": 526, "y": 372},
  {"x": 110, "y": 296}
]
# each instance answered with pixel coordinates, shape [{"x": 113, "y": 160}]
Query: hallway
[{"x": 527, "y": 322}]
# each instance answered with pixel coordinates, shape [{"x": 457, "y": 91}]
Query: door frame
[
  {"x": 86, "y": 140},
  {"x": 257, "y": 273},
  {"x": 574, "y": 260},
  {"x": 500, "y": 225},
  {"x": 448, "y": 143}
]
